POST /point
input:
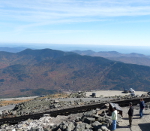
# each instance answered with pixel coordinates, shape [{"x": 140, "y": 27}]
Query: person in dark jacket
[
  {"x": 142, "y": 105},
  {"x": 130, "y": 114}
]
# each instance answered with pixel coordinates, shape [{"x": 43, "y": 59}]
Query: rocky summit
[
  {"x": 94, "y": 120},
  {"x": 87, "y": 121}
]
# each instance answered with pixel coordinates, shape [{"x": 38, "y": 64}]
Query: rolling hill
[
  {"x": 37, "y": 72},
  {"x": 132, "y": 58}
]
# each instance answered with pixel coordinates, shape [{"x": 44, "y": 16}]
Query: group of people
[{"x": 130, "y": 114}]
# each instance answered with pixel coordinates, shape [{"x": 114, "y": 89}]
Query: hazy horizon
[{"x": 97, "y": 48}]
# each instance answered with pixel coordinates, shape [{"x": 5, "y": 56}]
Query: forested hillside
[{"x": 36, "y": 72}]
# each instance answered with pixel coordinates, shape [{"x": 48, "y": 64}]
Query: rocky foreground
[
  {"x": 76, "y": 123},
  {"x": 95, "y": 120},
  {"x": 87, "y": 121},
  {"x": 44, "y": 104},
  {"x": 40, "y": 105}
]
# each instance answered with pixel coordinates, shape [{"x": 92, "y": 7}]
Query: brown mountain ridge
[
  {"x": 37, "y": 72},
  {"x": 132, "y": 58}
]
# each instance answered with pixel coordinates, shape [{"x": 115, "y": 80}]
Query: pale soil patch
[
  {"x": 106, "y": 93},
  {"x": 9, "y": 101},
  {"x": 20, "y": 98}
]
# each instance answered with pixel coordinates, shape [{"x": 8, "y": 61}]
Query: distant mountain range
[
  {"x": 12, "y": 49},
  {"x": 132, "y": 58},
  {"x": 37, "y": 72}
]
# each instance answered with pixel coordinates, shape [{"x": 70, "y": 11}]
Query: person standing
[
  {"x": 114, "y": 119},
  {"x": 130, "y": 113},
  {"x": 142, "y": 105}
]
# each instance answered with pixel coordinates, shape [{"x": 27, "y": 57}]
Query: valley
[{"x": 46, "y": 71}]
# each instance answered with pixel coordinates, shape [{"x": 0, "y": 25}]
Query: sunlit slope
[{"x": 37, "y": 72}]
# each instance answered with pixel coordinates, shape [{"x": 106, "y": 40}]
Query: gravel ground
[
  {"x": 84, "y": 99},
  {"x": 106, "y": 93}
]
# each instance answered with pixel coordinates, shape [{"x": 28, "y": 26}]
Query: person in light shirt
[{"x": 114, "y": 119}]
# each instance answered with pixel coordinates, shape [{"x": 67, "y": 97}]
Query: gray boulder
[
  {"x": 96, "y": 125},
  {"x": 70, "y": 126},
  {"x": 89, "y": 120},
  {"x": 104, "y": 128},
  {"x": 80, "y": 127}
]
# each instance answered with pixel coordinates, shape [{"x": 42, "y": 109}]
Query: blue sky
[{"x": 92, "y": 22}]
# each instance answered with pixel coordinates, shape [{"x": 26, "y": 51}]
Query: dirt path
[{"x": 138, "y": 124}]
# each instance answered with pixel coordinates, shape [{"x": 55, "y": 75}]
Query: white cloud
[
  {"x": 38, "y": 10},
  {"x": 45, "y": 12}
]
